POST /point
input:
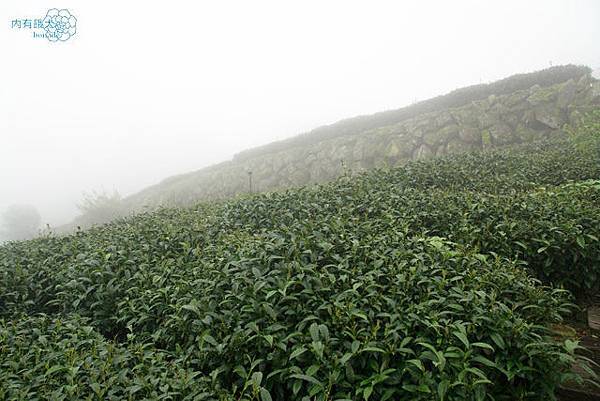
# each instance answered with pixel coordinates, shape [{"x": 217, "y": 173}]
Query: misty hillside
[
  {"x": 451, "y": 279},
  {"x": 519, "y": 109},
  {"x": 300, "y": 201}
]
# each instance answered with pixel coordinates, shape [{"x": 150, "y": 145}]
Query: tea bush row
[{"x": 411, "y": 283}]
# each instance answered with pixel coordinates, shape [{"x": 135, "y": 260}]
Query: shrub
[{"x": 420, "y": 283}]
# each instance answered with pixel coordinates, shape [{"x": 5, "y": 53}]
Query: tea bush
[
  {"x": 367, "y": 314},
  {"x": 521, "y": 206},
  {"x": 66, "y": 359},
  {"x": 420, "y": 282}
]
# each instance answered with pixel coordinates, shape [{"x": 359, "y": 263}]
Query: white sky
[{"x": 150, "y": 89}]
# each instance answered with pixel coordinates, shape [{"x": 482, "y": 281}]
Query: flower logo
[{"x": 59, "y": 25}]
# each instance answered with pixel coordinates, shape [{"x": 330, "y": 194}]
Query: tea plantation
[{"x": 439, "y": 280}]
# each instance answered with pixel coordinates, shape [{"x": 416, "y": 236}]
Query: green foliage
[
  {"x": 439, "y": 280},
  {"x": 343, "y": 311},
  {"x": 57, "y": 358},
  {"x": 554, "y": 230},
  {"x": 507, "y": 170}
]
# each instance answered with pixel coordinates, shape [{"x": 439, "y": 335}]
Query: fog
[{"x": 144, "y": 91}]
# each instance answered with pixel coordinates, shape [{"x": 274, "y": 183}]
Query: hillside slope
[
  {"x": 519, "y": 109},
  {"x": 515, "y": 110},
  {"x": 422, "y": 282}
]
